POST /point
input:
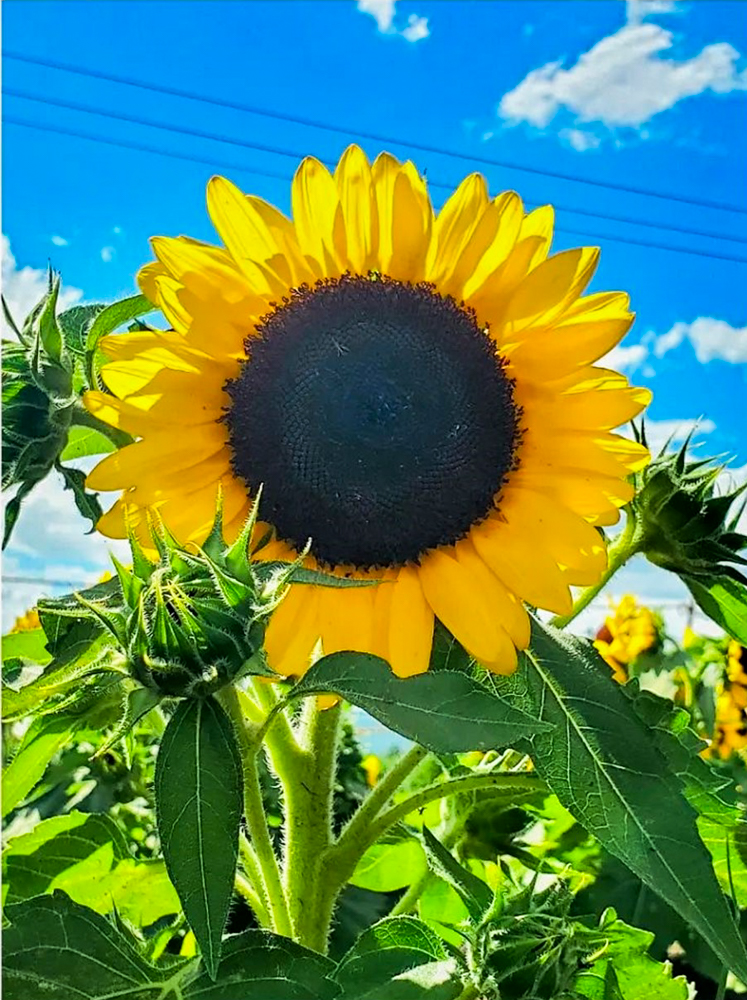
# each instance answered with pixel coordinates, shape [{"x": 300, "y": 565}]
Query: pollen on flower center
[{"x": 378, "y": 416}]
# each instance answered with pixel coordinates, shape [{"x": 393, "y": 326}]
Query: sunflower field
[{"x": 365, "y": 461}]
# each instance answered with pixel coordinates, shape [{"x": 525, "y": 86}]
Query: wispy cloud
[
  {"x": 712, "y": 339},
  {"x": 621, "y": 82},
  {"x": 107, "y": 254},
  {"x": 385, "y": 14},
  {"x": 59, "y": 241},
  {"x": 23, "y": 287}
]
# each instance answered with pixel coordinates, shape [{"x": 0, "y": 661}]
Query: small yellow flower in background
[
  {"x": 372, "y": 766},
  {"x": 415, "y": 391},
  {"x": 27, "y": 621},
  {"x": 630, "y": 631},
  {"x": 689, "y": 638},
  {"x": 730, "y": 729}
]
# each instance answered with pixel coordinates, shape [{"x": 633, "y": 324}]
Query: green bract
[
  {"x": 684, "y": 526},
  {"x": 189, "y": 622}
]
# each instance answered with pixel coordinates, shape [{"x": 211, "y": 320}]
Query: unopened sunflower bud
[
  {"x": 682, "y": 524},
  {"x": 189, "y": 622},
  {"x": 37, "y": 400}
]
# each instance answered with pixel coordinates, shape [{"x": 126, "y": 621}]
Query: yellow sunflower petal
[
  {"x": 509, "y": 211},
  {"x": 454, "y": 225},
  {"x": 122, "y": 467},
  {"x": 504, "y": 604},
  {"x": 293, "y": 632},
  {"x": 550, "y": 287},
  {"x": 459, "y": 602},
  {"x": 359, "y": 208},
  {"x": 146, "y": 279},
  {"x": 345, "y": 618},
  {"x": 522, "y": 565},
  {"x": 405, "y": 218},
  {"x": 538, "y": 226},
  {"x": 410, "y": 625},
  {"x": 316, "y": 213}
]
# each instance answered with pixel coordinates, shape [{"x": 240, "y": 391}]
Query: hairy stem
[
  {"x": 380, "y": 795},
  {"x": 245, "y": 889},
  {"x": 524, "y": 782},
  {"x": 308, "y": 825},
  {"x": 254, "y": 814},
  {"x": 627, "y": 545}
]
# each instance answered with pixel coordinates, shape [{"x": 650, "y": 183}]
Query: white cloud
[
  {"x": 50, "y": 542},
  {"x": 117, "y": 230},
  {"x": 107, "y": 254},
  {"x": 629, "y": 358},
  {"x": 384, "y": 13},
  {"x": 24, "y": 287},
  {"x": 59, "y": 241},
  {"x": 711, "y": 338},
  {"x": 623, "y": 81},
  {"x": 580, "y": 139},
  {"x": 637, "y": 11}
]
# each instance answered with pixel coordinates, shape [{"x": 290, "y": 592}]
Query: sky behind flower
[{"x": 643, "y": 94}]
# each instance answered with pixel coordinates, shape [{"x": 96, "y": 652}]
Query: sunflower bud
[
  {"x": 189, "y": 622},
  {"x": 37, "y": 399},
  {"x": 682, "y": 524}
]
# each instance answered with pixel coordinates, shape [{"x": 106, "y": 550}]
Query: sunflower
[
  {"x": 415, "y": 392},
  {"x": 627, "y": 633}
]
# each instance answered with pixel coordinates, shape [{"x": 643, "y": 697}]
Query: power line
[
  {"x": 141, "y": 147},
  {"x": 373, "y": 136},
  {"x": 297, "y": 156}
]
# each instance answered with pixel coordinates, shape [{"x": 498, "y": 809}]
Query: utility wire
[
  {"x": 373, "y": 136},
  {"x": 86, "y": 109},
  {"x": 141, "y": 147}
]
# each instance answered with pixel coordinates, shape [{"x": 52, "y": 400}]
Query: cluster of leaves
[{"x": 46, "y": 369}]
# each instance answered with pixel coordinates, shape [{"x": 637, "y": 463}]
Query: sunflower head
[
  {"x": 626, "y": 634},
  {"x": 414, "y": 390}
]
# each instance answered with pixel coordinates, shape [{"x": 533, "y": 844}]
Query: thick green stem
[
  {"x": 627, "y": 545},
  {"x": 82, "y": 418},
  {"x": 308, "y": 825},
  {"x": 255, "y": 879},
  {"x": 254, "y": 814}
]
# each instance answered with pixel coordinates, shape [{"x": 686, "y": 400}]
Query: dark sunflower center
[{"x": 378, "y": 417}]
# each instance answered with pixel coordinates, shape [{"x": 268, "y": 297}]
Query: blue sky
[{"x": 648, "y": 94}]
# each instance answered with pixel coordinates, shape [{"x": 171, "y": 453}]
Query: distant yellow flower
[
  {"x": 689, "y": 638},
  {"x": 372, "y": 766},
  {"x": 630, "y": 631},
  {"x": 415, "y": 391},
  {"x": 27, "y": 621}
]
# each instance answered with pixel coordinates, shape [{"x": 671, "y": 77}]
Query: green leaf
[
  {"x": 724, "y": 601},
  {"x": 728, "y": 849},
  {"x": 57, "y": 949},
  {"x": 42, "y": 693},
  {"x": 68, "y": 632},
  {"x": 198, "y": 786},
  {"x": 473, "y": 892},
  {"x": 74, "y": 324},
  {"x": 87, "y": 503},
  {"x": 257, "y": 965},
  {"x": 42, "y": 741},
  {"x": 108, "y": 320},
  {"x": 116, "y": 315},
  {"x": 389, "y": 866},
  {"x": 82, "y": 441},
  {"x": 601, "y": 761},
  {"x": 86, "y": 856},
  {"x": 444, "y": 711},
  {"x": 381, "y": 962},
  {"x": 28, "y": 644}
]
